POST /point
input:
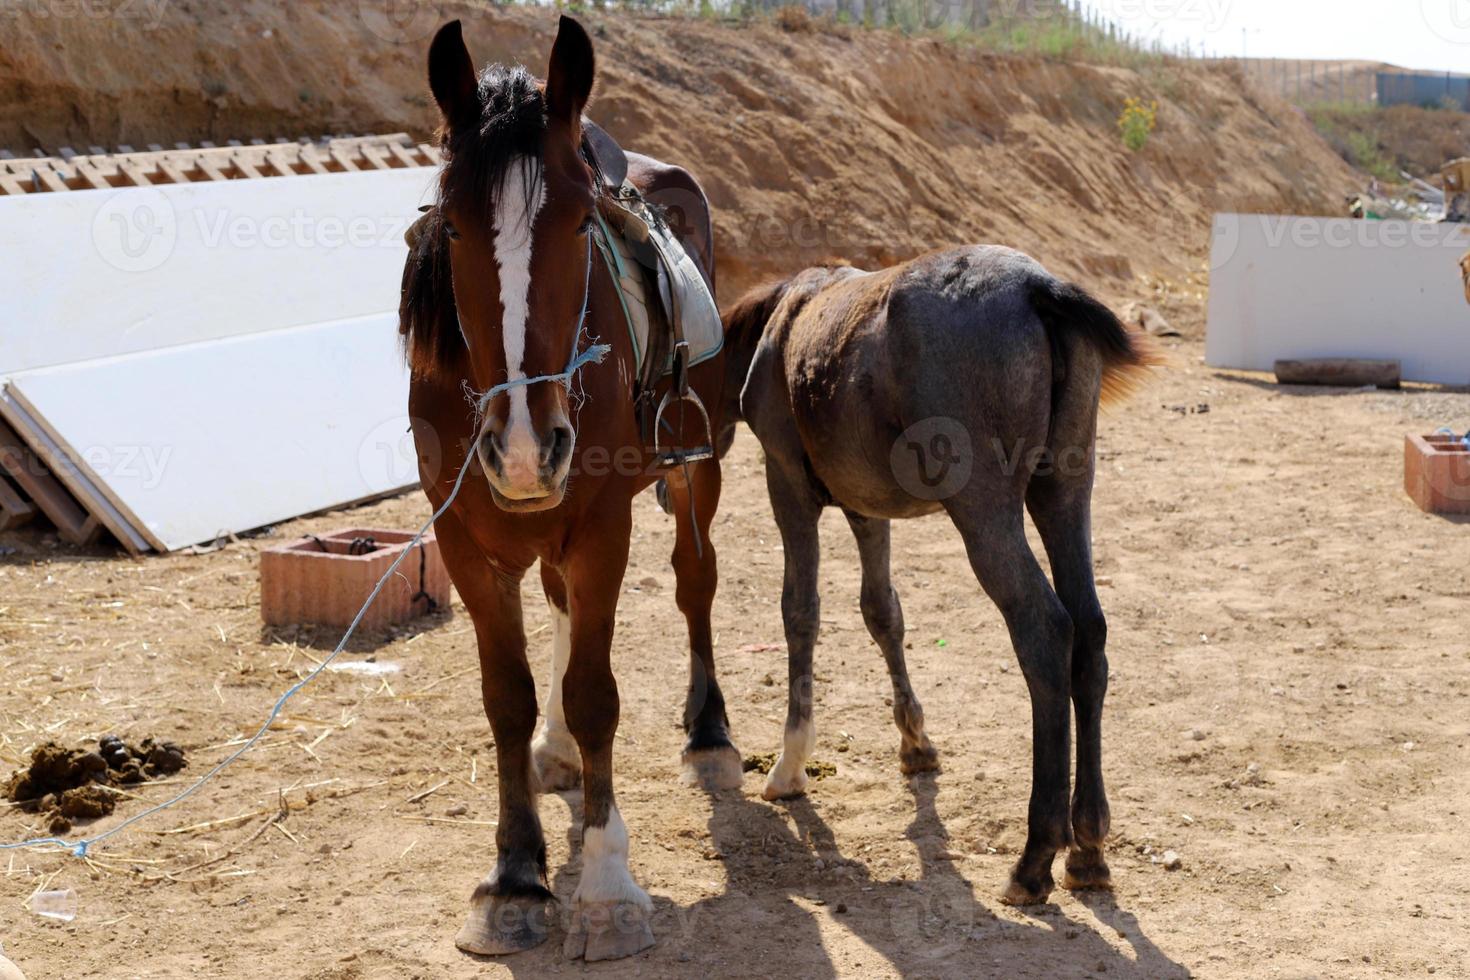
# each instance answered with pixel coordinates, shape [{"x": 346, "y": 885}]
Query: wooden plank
[
  {"x": 96, "y": 507},
  {"x": 49, "y": 179},
  {"x": 234, "y": 161},
  {"x": 72, "y": 522},
  {"x": 15, "y": 510},
  {"x": 1343, "y": 372}
]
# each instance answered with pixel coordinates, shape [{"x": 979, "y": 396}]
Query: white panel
[
  {"x": 87, "y": 274},
  {"x": 1283, "y": 287},
  {"x": 227, "y": 435}
]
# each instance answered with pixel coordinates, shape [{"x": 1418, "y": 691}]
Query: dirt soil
[
  {"x": 1290, "y": 671},
  {"x": 1288, "y": 712}
]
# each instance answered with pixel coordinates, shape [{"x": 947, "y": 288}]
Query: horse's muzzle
[{"x": 527, "y": 473}]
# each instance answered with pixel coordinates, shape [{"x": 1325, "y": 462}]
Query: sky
[{"x": 1425, "y": 34}]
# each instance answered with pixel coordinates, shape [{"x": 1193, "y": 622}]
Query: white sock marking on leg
[
  {"x": 605, "y": 875},
  {"x": 789, "y": 772}
]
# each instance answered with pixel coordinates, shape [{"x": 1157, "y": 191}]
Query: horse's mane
[{"x": 476, "y": 159}]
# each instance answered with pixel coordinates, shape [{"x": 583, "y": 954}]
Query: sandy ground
[{"x": 1275, "y": 601}]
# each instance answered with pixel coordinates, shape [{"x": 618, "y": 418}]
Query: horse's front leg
[
  {"x": 710, "y": 759},
  {"x": 610, "y": 913},
  {"x": 508, "y": 908}
]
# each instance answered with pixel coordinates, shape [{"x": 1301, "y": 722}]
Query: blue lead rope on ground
[{"x": 592, "y": 355}]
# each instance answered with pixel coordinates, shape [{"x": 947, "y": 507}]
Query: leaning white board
[
  {"x": 88, "y": 274},
  {"x": 1285, "y": 287},
  {"x": 199, "y": 440}
]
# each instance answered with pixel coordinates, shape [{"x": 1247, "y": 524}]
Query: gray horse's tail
[{"x": 1071, "y": 312}]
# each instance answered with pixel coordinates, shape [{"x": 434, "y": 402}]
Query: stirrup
[{"x": 665, "y": 458}]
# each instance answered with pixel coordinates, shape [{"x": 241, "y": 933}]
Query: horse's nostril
[
  {"x": 492, "y": 450},
  {"x": 558, "y": 445}
]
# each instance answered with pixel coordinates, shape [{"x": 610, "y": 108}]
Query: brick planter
[
  {"x": 1437, "y": 473},
  {"x": 302, "y": 583}
]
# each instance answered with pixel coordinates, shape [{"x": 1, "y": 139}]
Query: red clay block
[
  {"x": 301, "y": 583},
  {"x": 1437, "y": 473}
]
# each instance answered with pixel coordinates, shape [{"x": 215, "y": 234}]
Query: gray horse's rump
[{"x": 951, "y": 360}]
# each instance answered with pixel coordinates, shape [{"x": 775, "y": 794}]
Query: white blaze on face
[{"x": 515, "y": 220}]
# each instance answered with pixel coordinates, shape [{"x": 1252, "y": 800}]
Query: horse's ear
[
  {"x": 569, "y": 79},
  {"x": 452, "y": 77}
]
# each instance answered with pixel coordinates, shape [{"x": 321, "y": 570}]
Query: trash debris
[
  {"x": 369, "y": 667},
  {"x": 1148, "y": 319},
  {"x": 59, "y": 905}
]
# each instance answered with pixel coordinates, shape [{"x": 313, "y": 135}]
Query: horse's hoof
[
  {"x": 1020, "y": 892},
  {"x": 557, "y": 760},
  {"x": 781, "y": 786},
  {"x": 914, "y": 759},
  {"x": 1087, "y": 871},
  {"x": 714, "y": 768},
  {"x": 9, "y": 971},
  {"x": 608, "y": 931},
  {"x": 498, "y": 925}
]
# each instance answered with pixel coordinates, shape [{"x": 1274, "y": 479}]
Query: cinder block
[
  {"x": 1437, "y": 473},
  {"x": 320, "y": 580}
]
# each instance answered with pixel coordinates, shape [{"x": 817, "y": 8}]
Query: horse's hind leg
[
  {"x": 1061, "y": 505},
  {"x": 709, "y": 758},
  {"x": 797, "y": 511},
  {"x": 884, "y": 618},
  {"x": 1041, "y": 632},
  {"x": 558, "y": 764}
]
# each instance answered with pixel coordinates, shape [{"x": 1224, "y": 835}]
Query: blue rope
[{"x": 592, "y": 355}]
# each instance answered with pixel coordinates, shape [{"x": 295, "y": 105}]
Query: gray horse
[{"x": 967, "y": 381}]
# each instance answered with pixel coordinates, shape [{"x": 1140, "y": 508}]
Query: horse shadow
[
  {"x": 779, "y": 899},
  {"x": 780, "y": 909}
]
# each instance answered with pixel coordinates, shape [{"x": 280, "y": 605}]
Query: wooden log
[{"x": 1342, "y": 372}]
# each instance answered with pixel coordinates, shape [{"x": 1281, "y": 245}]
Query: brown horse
[
  {"x": 500, "y": 287},
  {"x": 966, "y": 381}
]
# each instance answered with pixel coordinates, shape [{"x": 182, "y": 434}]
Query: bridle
[{"x": 592, "y": 354}]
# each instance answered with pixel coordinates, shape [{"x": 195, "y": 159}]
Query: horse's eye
[
  {"x": 449, "y": 230},
  {"x": 586, "y": 225}
]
